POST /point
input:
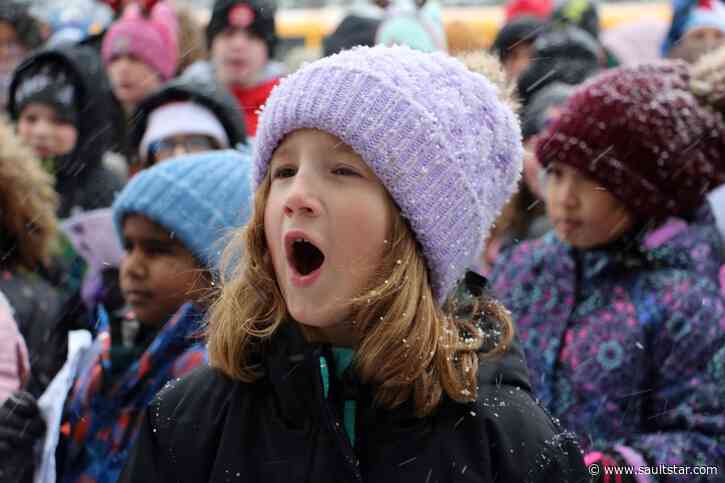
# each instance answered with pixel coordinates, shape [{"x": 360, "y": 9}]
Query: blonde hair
[
  {"x": 409, "y": 347},
  {"x": 28, "y": 200}
]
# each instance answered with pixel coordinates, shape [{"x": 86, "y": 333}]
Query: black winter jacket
[
  {"x": 82, "y": 181},
  {"x": 37, "y": 307},
  {"x": 208, "y": 427}
]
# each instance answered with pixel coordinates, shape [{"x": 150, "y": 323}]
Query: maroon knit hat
[{"x": 642, "y": 134}]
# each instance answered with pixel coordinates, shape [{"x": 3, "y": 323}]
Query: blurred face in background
[
  {"x": 132, "y": 80},
  {"x": 583, "y": 213},
  {"x": 174, "y": 146},
  {"x": 239, "y": 57},
  {"x": 11, "y": 53},
  {"x": 696, "y": 43},
  {"x": 518, "y": 59},
  {"x": 48, "y": 134},
  {"x": 158, "y": 273}
]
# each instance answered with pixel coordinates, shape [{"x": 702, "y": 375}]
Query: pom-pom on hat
[
  {"x": 437, "y": 135},
  {"x": 153, "y": 39},
  {"x": 642, "y": 134},
  {"x": 198, "y": 198}
]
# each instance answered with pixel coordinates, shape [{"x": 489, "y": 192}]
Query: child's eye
[
  {"x": 284, "y": 172},
  {"x": 159, "y": 249},
  {"x": 554, "y": 172},
  {"x": 345, "y": 171}
]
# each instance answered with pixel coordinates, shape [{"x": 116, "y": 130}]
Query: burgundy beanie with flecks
[{"x": 642, "y": 134}]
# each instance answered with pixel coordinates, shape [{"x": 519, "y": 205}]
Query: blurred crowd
[{"x": 126, "y": 145}]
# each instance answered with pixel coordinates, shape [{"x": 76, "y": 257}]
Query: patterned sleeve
[{"x": 686, "y": 410}]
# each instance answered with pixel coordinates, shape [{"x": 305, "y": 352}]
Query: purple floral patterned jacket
[{"x": 626, "y": 346}]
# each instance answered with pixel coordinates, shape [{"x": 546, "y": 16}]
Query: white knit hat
[{"x": 182, "y": 118}]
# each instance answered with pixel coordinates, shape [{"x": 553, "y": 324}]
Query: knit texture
[
  {"x": 435, "y": 134},
  {"x": 641, "y": 133},
  {"x": 198, "y": 198},
  {"x": 153, "y": 39}
]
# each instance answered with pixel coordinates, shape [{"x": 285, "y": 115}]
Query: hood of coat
[
  {"x": 94, "y": 104},
  {"x": 205, "y": 92}
]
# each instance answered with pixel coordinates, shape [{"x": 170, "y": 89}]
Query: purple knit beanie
[
  {"x": 445, "y": 146},
  {"x": 153, "y": 40}
]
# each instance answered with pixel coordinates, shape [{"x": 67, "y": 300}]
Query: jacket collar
[{"x": 292, "y": 366}]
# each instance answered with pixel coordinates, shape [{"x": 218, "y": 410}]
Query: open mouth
[{"x": 305, "y": 257}]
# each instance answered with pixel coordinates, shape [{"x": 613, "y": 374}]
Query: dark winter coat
[
  {"x": 37, "y": 307},
  {"x": 208, "y": 427},
  {"x": 81, "y": 179},
  {"x": 209, "y": 94},
  {"x": 626, "y": 346}
]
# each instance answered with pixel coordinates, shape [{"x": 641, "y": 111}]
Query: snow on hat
[
  {"x": 642, "y": 134},
  {"x": 199, "y": 198},
  {"x": 184, "y": 117},
  {"x": 153, "y": 40},
  {"x": 437, "y": 135},
  {"x": 256, "y": 16},
  {"x": 47, "y": 83}
]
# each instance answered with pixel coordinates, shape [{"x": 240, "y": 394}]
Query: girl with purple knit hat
[
  {"x": 625, "y": 338},
  {"x": 347, "y": 344}
]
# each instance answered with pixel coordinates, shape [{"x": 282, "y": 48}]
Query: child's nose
[
  {"x": 302, "y": 199},
  {"x": 133, "y": 265}
]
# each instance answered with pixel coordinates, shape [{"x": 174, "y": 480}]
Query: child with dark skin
[{"x": 169, "y": 219}]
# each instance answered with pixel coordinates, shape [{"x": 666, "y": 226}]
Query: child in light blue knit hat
[
  {"x": 349, "y": 344},
  {"x": 171, "y": 219}
]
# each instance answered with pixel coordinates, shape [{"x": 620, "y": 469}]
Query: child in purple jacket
[{"x": 625, "y": 340}]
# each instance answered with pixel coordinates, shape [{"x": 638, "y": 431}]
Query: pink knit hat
[{"x": 151, "y": 39}]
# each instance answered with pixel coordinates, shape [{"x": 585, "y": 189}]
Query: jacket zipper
[{"x": 336, "y": 426}]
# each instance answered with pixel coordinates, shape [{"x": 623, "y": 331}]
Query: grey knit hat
[{"x": 436, "y": 134}]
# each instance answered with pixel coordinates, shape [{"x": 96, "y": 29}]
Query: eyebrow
[{"x": 344, "y": 148}]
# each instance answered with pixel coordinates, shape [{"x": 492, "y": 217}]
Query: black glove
[{"x": 21, "y": 426}]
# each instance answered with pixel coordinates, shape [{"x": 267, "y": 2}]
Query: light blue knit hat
[
  {"x": 437, "y": 135},
  {"x": 199, "y": 198}
]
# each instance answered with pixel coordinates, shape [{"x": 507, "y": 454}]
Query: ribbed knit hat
[
  {"x": 445, "y": 146},
  {"x": 153, "y": 39},
  {"x": 198, "y": 198},
  {"x": 642, "y": 134}
]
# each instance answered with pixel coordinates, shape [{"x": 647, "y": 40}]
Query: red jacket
[{"x": 251, "y": 99}]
